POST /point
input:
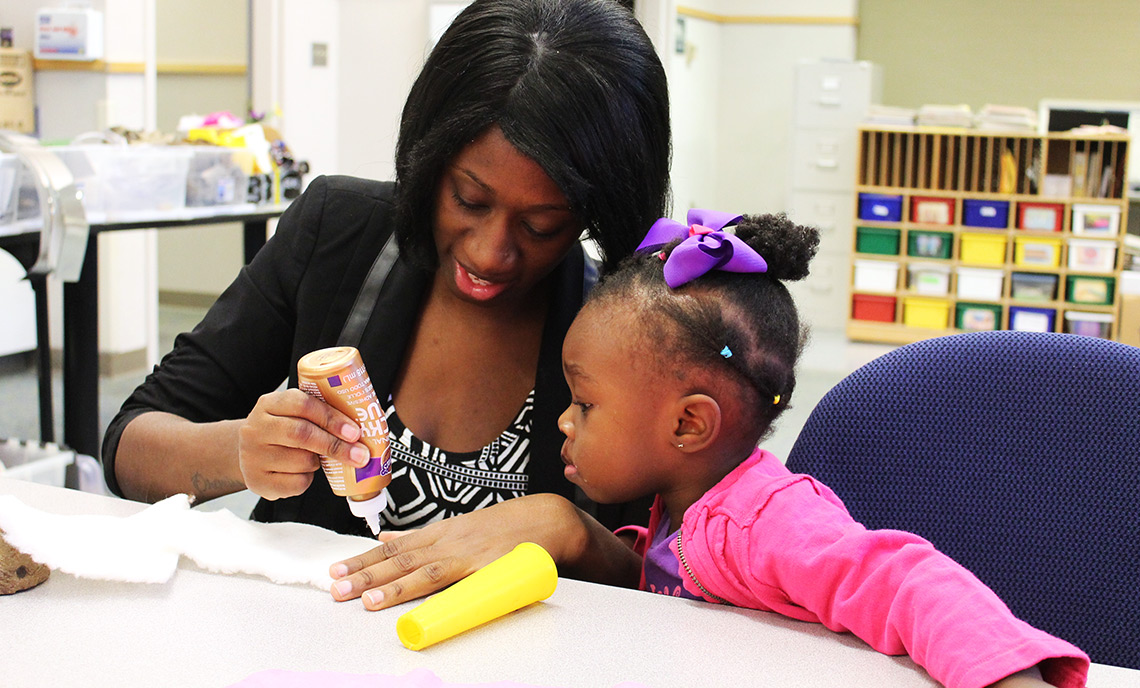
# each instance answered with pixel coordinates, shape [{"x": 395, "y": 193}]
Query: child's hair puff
[{"x": 739, "y": 328}]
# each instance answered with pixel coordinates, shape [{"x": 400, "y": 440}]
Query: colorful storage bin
[
  {"x": 1033, "y": 286},
  {"x": 977, "y": 317},
  {"x": 1088, "y": 324},
  {"x": 1095, "y": 291},
  {"x": 878, "y": 240},
  {"x": 1092, "y": 255},
  {"x": 981, "y": 213},
  {"x": 1040, "y": 217},
  {"x": 880, "y": 207},
  {"x": 931, "y": 279},
  {"x": 873, "y": 308},
  {"x": 1096, "y": 220},
  {"x": 880, "y": 276},
  {"x": 932, "y": 211},
  {"x": 1038, "y": 252},
  {"x": 981, "y": 284},
  {"x": 1031, "y": 319},
  {"x": 982, "y": 249},
  {"x": 922, "y": 244},
  {"x": 930, "y": 313}
]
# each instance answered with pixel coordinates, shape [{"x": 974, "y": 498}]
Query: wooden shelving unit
[{"x": 927, "y": 200}]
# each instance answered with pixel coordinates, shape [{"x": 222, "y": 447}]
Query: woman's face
[{"x": 501, "y": 224}]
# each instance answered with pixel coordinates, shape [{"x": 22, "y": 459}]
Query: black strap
[{"x": 368, "y": 295}]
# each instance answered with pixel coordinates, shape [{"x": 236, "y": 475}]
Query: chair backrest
[{"x": 1015, "y": 453}]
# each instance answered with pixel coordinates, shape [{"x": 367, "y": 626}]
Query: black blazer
[{"x": 298, "y": 295}]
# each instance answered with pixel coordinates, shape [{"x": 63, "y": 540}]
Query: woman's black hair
[
  {"x": 742, "y": 324},
  {"x": 574, "y": 85}
]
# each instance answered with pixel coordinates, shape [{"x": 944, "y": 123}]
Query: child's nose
[{"x": 564, "y": 422}]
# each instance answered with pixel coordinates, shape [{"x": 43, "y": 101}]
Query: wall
[{"x": 1012, "y": 52}]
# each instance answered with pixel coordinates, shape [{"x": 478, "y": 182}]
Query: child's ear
[{"x": 697, "y": 422}]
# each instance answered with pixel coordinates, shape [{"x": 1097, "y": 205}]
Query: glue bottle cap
[{"x": 369, "y": 509}]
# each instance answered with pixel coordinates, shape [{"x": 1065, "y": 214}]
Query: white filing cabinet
[{"x": 831, "y": 101}]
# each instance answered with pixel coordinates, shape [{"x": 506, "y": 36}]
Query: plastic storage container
[
  {"x": 982, "y": 249},
  {"x": 1088, "y": 324},
  {"x": 923, "y": 244},
  {"x": 930, "y": 279},
  {"x": 117, "y": 179},
  {"x": 880, "y": 207},
  {"x": 932, "y": 211},
  {"x": 217, "y": 176},
  {"x": 873, "y": 308},
  {"x": 1094, "y": 291},
  {"x": 1041, "y": 252},
  {"x": 876, "y": 276},
  {"x": 983, "y": 213},
  {"x": 1040, "y": 217},
  {"x": 1092, "y": 255},
  {"x": 980, "y": 284},
  {"x": 878, "y": 240},
  {"x": 929, "y": 313},
  {"x": 1031, "y": 319},
  {"x": 1096, "y": 220},
  {"x": 35, "y": 462},
  {"x": 1033, "y": 286},
  {"x": 977, "y": 317}
]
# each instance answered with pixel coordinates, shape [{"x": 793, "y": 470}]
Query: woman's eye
[
  {"x": 541, "y": 233},
  {"x": 464, "y": 203}
]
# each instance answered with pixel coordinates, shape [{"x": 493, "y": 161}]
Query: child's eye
[{"x": 583, "y": 406}]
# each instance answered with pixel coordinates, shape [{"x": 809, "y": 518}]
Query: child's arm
[
  {"x": 419, "y": 563},
  {"x": 798, "y": 552}
]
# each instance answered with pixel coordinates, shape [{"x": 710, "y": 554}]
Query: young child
[{"x": 677, "y": 365}]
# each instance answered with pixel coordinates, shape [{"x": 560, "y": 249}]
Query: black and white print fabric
[{"x": 430, "y": 484}]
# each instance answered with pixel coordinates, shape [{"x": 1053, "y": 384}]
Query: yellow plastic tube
[{"x": 524, "y": 575}]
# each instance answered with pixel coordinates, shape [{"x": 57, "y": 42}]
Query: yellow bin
[
  {"x": 982, "y": 249},
  {"x": 1037, "y": 252},
  {"x": 929, "y": 313}
]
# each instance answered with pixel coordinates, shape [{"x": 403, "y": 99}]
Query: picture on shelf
[{"x": 1096, "y": 220}]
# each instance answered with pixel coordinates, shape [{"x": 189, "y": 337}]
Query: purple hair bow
[{"x": 705, "y": 246}]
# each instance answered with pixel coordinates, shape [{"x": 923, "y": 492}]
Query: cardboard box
[
  {"x": 17, "y": 95},
  {"x": 1129, "y": 330}
]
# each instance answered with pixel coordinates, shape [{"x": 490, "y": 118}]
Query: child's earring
[{"x": 680, "y": 445}]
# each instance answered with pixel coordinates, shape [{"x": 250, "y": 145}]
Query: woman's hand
[
  {"x": 407, "y": 566},
  {"x": 281, "y": 439}
]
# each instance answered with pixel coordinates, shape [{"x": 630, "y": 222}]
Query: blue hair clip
[{"x": 726, "y": 352}]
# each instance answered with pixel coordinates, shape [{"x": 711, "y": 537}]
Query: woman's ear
[{"x": 697, "y": 422}]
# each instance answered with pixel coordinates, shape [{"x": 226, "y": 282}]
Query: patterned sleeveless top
[{"x": 430, "y": 484}]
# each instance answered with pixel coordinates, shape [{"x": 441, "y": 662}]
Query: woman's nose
[{"x": 492, "y": 248}]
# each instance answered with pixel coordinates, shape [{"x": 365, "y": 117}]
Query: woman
[{"x": 531, "y": 122}]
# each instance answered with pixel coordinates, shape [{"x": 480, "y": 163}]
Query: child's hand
[{"x": 421, "y": 562}]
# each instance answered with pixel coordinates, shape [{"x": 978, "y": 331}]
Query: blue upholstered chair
[{"x": 1017, "y": 454}]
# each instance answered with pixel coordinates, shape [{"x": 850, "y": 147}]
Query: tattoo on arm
[{"x": 205, "y": 486}]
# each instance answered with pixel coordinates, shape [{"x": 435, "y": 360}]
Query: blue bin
[
  {"x": 1032, "y": 319},
  {"x": 880, "y": 207},
  {"x": 979, "y": 213}
]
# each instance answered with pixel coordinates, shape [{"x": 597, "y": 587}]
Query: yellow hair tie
[{"x": 776, "y": 400}]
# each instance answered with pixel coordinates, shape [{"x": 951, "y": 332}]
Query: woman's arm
[
  {"x": 424, "y": 561},
  {"x": 273, "y": 451}
]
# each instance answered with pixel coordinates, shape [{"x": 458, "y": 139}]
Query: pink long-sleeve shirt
[{"x": 765, "y": 538}]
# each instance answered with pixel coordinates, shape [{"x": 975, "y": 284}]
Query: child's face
[{"x": 617, "y": 423}]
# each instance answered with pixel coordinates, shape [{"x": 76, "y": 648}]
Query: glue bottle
[{"x": 337, "y": 376}]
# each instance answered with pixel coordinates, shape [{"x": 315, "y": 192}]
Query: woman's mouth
[{"x": 476, "y": 287}]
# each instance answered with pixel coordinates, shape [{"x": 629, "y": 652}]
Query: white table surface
[{"x": 203, "y": 629}]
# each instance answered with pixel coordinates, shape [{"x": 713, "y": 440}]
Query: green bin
[
  {"x": 1093, "y": 290},
  {"x": 877, "y": 240},
  {"x": 977, "y": 316},
  {"x": 929, "y": 244}
]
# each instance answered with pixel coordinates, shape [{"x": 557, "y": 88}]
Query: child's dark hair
[{"x": 741, "y": 324}]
